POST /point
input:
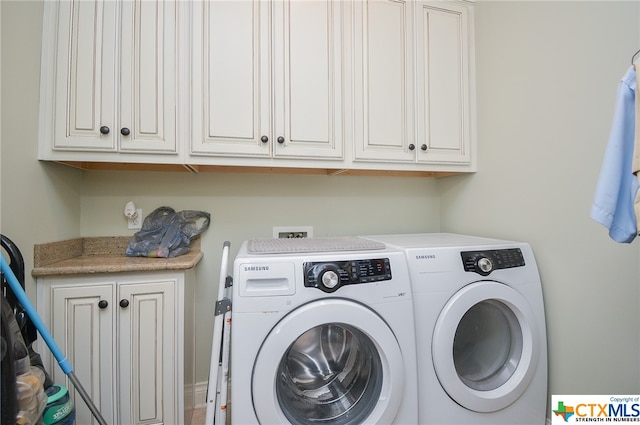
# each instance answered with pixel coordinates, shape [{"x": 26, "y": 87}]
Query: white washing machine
[
  {"x": 481, "y": 334},
  {"x": 322, "y": 333}
]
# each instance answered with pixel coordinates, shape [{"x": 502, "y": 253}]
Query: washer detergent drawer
[{"x": 266, "y": 279}]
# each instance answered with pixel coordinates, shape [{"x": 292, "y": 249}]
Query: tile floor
[{"x": 199, "y": 416}]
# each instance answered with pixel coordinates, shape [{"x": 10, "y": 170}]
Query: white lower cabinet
[{"x": 129, "y": 338}]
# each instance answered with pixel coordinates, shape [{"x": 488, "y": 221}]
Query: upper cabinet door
[
  {"x": 267, "y": 79},
  {"x": 443, "y": 36},
  {"x": 84, "y": 115},
  {"x": 307, "y": 71},
  {"x": 231, "y": 84},
  {"x": 383, "y": 80},
  {"x": 114, "y": 67},
  {"x": 148, "y": 83}
]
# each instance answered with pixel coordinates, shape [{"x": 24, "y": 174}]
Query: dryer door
[
  {"x": 331, "y": 361},
  {"x": 485, "y": 346}
]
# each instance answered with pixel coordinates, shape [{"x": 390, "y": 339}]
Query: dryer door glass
[
  {"x": 331, "y": 374},
  {"x": 487, "y": 345}
]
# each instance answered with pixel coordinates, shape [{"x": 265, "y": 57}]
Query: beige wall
[
  {"x": 547, "y": 74},
  {"x": 248, "y": 206},
  {"x": 39, "y": 202}
]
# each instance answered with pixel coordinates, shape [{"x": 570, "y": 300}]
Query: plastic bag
[{"x": 166, "y": 233}]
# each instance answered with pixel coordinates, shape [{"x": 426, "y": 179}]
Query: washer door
[
  {"x": 485, "y": 346},
  {"x": 331, "y": 361}
]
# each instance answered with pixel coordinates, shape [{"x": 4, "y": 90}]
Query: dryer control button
[
  {"x": 485, "y": 262},
  {"x": 484, "y": 265}
]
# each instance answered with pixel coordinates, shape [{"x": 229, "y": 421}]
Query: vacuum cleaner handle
[
  {"x": 35, "y": 318},
  {"x": 64, "y": 363},
  {"x": 16, "y": 262}
]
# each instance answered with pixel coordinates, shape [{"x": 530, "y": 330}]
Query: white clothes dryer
[
  {"x": 481, "y": 334},
  {"x": 322, "y": 333}
]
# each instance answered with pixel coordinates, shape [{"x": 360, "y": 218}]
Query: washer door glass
[
  {"x": 331, "y": 374},
  {"x": 485, "y": 346},
  {"x": 332, "y": 361}
]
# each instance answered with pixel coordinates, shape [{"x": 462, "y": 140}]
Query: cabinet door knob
[
  {"x": 104, "y": 129},
  {"x": 412, "y": 147},
  {"x": 423, "y": 147},
  {"x": 124, "y": 303},
  {"x": 281, "y": 140},
  {"x": 125, "y": 131},
  {"x": 264, "y": 139},
  {"x": 103, "y": 304}
]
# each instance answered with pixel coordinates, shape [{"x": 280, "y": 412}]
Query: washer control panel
[
  {"x": 484, "y": 262},
  {"x": 328, "y": 276}
]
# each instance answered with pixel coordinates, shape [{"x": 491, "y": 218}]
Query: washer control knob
[
  {"x": 329, "y": 279},
  {"x": 484, "y": 265}
]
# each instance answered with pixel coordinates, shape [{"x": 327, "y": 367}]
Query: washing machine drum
[
  {"x": 485, "y": 346},
  {"x": 310, "y": 371}
]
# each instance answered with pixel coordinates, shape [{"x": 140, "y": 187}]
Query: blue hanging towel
[{"x": 613, "y": 203}]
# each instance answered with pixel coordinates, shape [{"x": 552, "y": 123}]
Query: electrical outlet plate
[
  {"x": 135, "y": 223},
  {"x": 293, "y": 232}
]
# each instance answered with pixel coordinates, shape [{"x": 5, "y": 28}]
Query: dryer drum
[
  {"x": 487, "y": 346},
  {"x": 329, "y": 374}
]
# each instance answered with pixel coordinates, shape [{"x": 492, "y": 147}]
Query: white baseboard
[{"x": 200, "y": 394}]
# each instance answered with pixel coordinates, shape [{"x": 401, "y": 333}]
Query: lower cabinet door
[
  {"x": 147, "y": 352},
  {"x": 82, "y": 326}
]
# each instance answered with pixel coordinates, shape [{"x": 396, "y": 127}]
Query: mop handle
[{"x": 15, "y": 286}]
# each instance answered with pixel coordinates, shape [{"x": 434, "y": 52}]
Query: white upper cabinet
[
  {"x": 383, "y": 54},
  {"x": 267, "y": 79},
  {"x": 444, "y": 81},
  {"x": 148, "y": 83},
  {"x": 231, "y": 104},
  {"x": 329, "y": 85},
  {"x": 412, "y": 80},
  {"x": 109, "y": 78}
]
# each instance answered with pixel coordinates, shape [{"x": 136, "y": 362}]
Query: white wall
[{"x": 547, "y": 74}]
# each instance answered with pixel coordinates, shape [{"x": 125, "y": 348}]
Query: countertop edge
[
  {"x": 103, "y": 255},
  {"x": 97, "y": 264}
]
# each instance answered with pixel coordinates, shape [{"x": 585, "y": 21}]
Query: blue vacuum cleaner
[{"x": 65, "y": 365}]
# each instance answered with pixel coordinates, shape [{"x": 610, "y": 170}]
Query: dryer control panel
[
  {"x": 331, "y": 275},
  {"x": 484, "y": 262}
]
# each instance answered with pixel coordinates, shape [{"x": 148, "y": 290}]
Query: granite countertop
[{"x": 103, "y": 255}]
